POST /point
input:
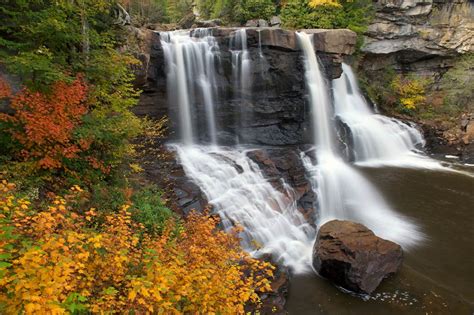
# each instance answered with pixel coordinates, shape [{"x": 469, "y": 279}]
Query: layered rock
[
  {"x": 421, "y": 28},
  {"x": 353, "y": 257},
  {"x": 418, "y": 36}
]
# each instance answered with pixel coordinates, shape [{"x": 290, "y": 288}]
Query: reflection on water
[{"x": 437, "y": 276}]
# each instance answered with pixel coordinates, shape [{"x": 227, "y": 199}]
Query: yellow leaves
[
  {"x": 118, "y": 267},
  {"x": 410, "y": 91},
  {"x": 316, "y": 3}
]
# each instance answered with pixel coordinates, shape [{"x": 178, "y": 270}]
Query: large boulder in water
[{"x": 353, "y": 257}]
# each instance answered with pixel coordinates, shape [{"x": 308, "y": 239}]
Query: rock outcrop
[
  {"x": 421, "y": 28},
  {"x": 418, "y": 36},
  {"x": 353, "y": 257}
]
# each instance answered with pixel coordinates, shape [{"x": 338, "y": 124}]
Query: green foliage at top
[{"x": 355, "y": 15}]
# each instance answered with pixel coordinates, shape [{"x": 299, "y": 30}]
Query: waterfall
[
  {"x": 377, "y": 139},
  {"x": 240, "y": 194},
  {"x": 191, "y": 65},
  {"x": 240, "y": 62},
  {"x": 233, "y": 184},
  {"x": 343, "y": 193}
]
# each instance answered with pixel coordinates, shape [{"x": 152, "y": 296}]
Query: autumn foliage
[
  {"x": 60, "y": 259},
  {"x": 43, "y": 123},
  {"x": 410, "y": 91}
]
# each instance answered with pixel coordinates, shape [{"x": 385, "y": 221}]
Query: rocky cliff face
[
  {"x": 420, "y": 36},
  {"x": 275, "y": 107},
  {"x": 425, "y": 38}
]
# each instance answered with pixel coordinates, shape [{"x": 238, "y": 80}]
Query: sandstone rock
[
  {"x": 251, "y": 23},
  {"x": 353, "y": 257},
  {"x": 208, "y": 23},
  {"x": 262, "y": 23},
  {"x": 338, "y": 41},
  {"x": 275, "y": 21},
  {"x": 441, "y": 29}
]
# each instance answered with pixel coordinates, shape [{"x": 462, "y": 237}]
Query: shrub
[
  {"x": 410, "y": 92},
  {"x": 60, "y": 258},
  {"x": 43, "y": 124}
]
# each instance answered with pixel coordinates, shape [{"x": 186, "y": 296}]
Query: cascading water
[
  {"x": 240, "y": 62},
  {"x": 240, "y": 194},
  {"x": 377, "y": 139},
  {"x": 344, "y": 193},
  {"x": 231, "y": 181},
  {"x": 191, "y": 61}
]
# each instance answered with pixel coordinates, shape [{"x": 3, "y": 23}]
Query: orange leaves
[
  {"x": 43, "y": 124},
  {"x": 5, "y": 90},
  {"x": 55, "y": 253}
]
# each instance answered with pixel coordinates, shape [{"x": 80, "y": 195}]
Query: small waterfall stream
[
  {"x": 343, "y": 192},
  {"x": 191, "y": 62},
  {"x": 378, "y": 140}
]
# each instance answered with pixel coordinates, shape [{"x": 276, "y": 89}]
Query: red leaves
[{"x": 44, "y": 123}]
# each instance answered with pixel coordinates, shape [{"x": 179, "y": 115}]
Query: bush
[
  {"x": 410, "y": 92},
  {"x": 149, "y": 210},
  {"x": 60, "y": 258}
]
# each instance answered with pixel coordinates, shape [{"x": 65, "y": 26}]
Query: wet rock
[{"x": 353, "y": 257}]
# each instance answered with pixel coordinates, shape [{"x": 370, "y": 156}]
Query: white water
[
  {"x": 191, "y": 77},
  {"x": 240, "y": 62},
  {"x": 231, "y": 181},
  {"x": 241, "y": 195},
  {"x": 377, "y": 139},
  {"x": 343, "y": 193}
]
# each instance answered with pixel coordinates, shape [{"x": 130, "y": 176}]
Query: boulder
[{"x": 353, "y": 257}]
